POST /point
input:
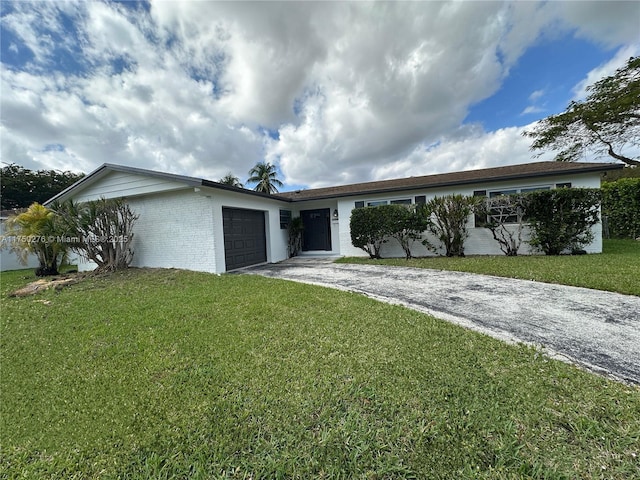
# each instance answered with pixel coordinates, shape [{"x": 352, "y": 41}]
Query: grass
[
  {"x": 617, "y": 269},
  {"x": 172, "y": 374}
]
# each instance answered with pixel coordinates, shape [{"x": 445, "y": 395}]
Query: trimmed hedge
[
  {"x": 369, "y": 229},
  {"x": 373, "y": 226},
  {"x": 621, "y": 206},
  {"x": 561, "y": 219}
]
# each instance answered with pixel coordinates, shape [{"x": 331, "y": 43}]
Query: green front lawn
[
  {"x": 617, "y": 269},
  {"x": 173, "y": 374}
]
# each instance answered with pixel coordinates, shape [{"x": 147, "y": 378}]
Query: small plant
[
  {"x": 561, "y": 219},
  {"x": 296, "y": 227},
  {"x": 449, "y": 216}
]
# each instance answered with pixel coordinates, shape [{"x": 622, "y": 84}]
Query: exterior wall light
[{"x": 335, "y": 213}]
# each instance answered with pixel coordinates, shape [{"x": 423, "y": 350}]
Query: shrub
[
  {"x": 406, "y": 224},
  {"x": 37, "y": 231},
  {"x": 295, "y": 229},
  {"x": 561, "y": 219},
  {"x": 103, "y": 230},
  {"x": 369, "y": 229},
  {"x": 621, "y": 205},
  {"x": 448, "y": 222},
  {"x": 505, "y": 219}
]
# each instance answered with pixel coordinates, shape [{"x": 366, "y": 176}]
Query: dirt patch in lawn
[{"x": 58, "y": 282}]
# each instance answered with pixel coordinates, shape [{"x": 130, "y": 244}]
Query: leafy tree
[
  {"x": 21, "y": 187},
  {"x": 627, "y": 172},
  {"x": 231, "y": 180},
  {"x": 265, "y": 176},
  {"x": 606, "y": 122},
  {"x": 449, "y": 216},
  {"x": 561, "y": 219},
  {"x": 37, "y": 231},
  {"x": 103, "y": 231}
]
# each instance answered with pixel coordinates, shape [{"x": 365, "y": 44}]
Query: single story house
[{"x": 198, "y": 224}]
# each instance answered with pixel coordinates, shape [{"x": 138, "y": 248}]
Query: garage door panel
[{"x": 244, "y": 237}]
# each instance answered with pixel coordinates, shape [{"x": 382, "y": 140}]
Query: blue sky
[
  {"x": 330, "y": 92},
  {"x": 540, "y": 83}
]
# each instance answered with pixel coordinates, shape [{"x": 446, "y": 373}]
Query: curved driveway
[{"x": 595, "y": 329}]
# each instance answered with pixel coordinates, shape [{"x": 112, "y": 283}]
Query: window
[
  {"x": 499, "y": 193},
  {"x": 398, "y": 201},
  {"x": 285, "y": 219},
  {"x": 422, "y": 199},
  {"x": 501, "y": 210},
  {"x": 359, "y": 204},
  {"x": 534, "y": 189},
  {"x": 563, "y": 185}
]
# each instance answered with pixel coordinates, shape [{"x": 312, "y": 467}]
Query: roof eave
[
  {"x": 595, "y": 168},
  {"x": 244, "y": 191}
]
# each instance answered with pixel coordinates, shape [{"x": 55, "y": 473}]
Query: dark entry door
[
  {"x": 244, "y": 237},
  {"x": 317, "y": 229}
]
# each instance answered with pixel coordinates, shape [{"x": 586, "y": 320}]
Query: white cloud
[
  {"x": 610, "y": 23},
  {"x": 347, "y": 92},
  {"x": 605, "y": 70},
  {"x": 536, "y": 95},
  {"x": 532, "y": 109},
  {"x": 471, "y": 148}
]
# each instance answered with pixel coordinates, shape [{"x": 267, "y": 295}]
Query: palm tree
[
  {"x": 37, "y": 231},
  {"x": 231, "y": 180},
  {"x": 265, "y": 176}
]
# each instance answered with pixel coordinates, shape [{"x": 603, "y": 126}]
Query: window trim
[
  {"x": 285, "y": 218},
  {"x": 384, "y": 201}
]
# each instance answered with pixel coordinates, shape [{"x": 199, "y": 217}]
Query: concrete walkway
[{"x": 597, "y": 330}]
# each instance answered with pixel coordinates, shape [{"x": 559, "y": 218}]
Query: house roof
[
  {"x": 105, "y": 168},
  {"x": 511, "y": 172},
  {"x": 496, "y": 174}
]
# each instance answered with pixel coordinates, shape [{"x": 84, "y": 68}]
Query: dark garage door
[{"x": 244, "y": 238}]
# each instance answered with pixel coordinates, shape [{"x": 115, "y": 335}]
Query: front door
[{"x": 317, "y": 229}]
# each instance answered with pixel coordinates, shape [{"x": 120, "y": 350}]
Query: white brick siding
[
  {"x": 180, "y": 223},
  {"x": 480, "y": 240}
]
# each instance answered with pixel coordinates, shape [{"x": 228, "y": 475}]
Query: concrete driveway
[{"x": 597, "y": 330}]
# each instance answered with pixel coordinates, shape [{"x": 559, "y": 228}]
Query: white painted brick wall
[
  {"x": 480, "y": 240},
  {"x": 174, "y": 230}
]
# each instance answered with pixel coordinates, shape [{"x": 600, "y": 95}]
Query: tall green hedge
[
  {"x": 561, "y": 219},
  {"x": 621, "y": 206}
]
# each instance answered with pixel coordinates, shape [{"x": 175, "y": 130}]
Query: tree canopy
[
  {"x": 21, "y": 187},
  {"x": 265, "y": 176},
  {"x": 607, "y": 122},
  {"x": 231, "y": 180}
]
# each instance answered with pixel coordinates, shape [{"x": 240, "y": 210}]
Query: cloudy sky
[{"x": 330, "y": 92}]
